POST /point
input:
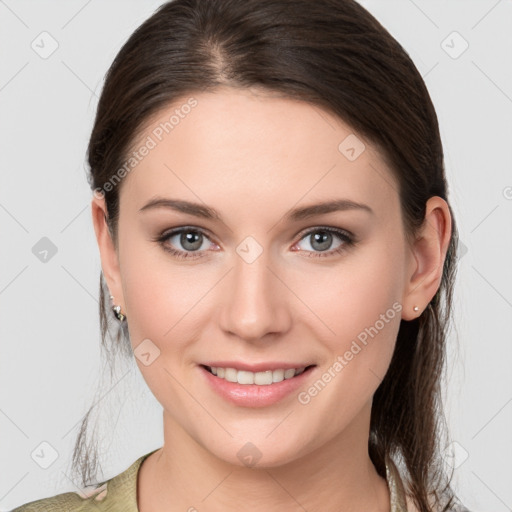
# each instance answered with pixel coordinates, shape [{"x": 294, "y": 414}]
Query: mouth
[{"x": 260, "y": 378}]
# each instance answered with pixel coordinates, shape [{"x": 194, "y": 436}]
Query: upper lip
[{"x": 258, "y": 367}]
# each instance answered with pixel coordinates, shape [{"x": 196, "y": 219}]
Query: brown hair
[{"x": 335, "y": 55}]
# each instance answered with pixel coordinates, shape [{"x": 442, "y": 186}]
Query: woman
[{"x": 271, "y": 211}]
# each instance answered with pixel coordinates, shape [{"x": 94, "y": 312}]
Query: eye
[
  {"x": 321, "y": 239},
  {"x": 192, "y": 240}
]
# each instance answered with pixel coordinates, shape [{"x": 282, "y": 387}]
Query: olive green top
[{"x": 119, "y": 494}]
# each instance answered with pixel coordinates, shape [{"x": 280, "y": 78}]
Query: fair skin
[{"x": 253, "y": 157}]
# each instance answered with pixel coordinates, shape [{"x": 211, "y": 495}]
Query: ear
[
  {"x": 427, "y": 258},
  {"x": 108, "y": 252}
]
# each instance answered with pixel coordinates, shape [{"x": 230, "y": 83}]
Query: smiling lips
[
  {"x": 262, "y": 374},
  {"x": 263, "y": 378},
  {"x": 263, "y": 385}
]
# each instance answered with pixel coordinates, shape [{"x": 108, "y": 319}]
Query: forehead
[{"x": 253, "y": 147}]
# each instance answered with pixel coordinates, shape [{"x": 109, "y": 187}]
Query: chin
[{"x": 257, "y": 453}]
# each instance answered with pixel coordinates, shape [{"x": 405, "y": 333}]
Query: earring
[
  {"x": 117, "y": 310},
  {"x": 416, "y": 308}
]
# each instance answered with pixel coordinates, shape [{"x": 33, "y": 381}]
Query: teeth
[{"x": 261, "y": 378}]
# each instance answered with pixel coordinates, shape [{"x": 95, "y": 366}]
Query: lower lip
[{"x": 254, "y": 395}]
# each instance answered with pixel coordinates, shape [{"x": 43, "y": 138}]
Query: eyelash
[{"x": 345, "y": 236}]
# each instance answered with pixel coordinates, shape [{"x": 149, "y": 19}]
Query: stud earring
[
  {"x": 117, "y": 310},
  {"x": 416, "y": 308}
]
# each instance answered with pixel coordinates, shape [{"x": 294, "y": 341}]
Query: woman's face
[{"x": 260, "y": 281}]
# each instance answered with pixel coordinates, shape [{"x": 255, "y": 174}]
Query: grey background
[{"x": 49, "y": 326}]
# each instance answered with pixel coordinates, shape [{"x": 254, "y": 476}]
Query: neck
[{"x": 337, "y": 476}]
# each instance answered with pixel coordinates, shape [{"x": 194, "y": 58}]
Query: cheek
[
  {"x": 163, "y": 299},
  {"x": 160, "y": 300},
  {"x": 358, "y": 312}
]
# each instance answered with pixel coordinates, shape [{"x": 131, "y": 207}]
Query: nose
[{"x": 256, "y": 301}]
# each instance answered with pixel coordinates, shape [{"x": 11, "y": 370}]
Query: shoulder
[
  {"x": 118, "y": 493},
  {"x": 402, "y": 501},
  {"x": 455, "y": 507},
  {"x": 69, "y": 501}
]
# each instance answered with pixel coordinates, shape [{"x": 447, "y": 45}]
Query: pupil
[
  {"x": 324, "y": 238},
  {"x": 193, "y": 238}
]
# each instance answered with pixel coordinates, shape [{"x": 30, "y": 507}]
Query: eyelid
[
  {"x": 168, "y": 233},
  {"x": 331, "y": 229}
]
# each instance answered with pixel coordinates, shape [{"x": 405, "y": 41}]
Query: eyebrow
[{"x": 301, "y": 213}]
